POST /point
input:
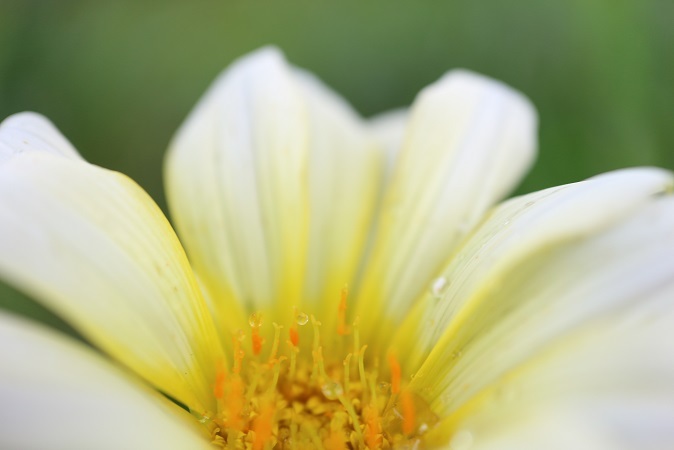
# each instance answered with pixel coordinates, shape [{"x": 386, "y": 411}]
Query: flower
[{"x": 352, "y": 283}]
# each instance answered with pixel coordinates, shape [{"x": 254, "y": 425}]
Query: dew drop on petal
[
  {"x": 463, "y": 440},
  {"x": 438, "y": 287},
  {"x": 255, "y": 320},
  {"x": 202, "y": 418},
  {"x": 301, "y": 318},
  {"x": 332, "y": 390},
  {"x": 384, "y": 387}
]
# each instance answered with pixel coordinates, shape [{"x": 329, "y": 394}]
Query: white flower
[{"x": 544, "y": 322}]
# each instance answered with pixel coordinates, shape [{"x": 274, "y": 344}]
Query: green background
[{"x": 119, "y": 77}]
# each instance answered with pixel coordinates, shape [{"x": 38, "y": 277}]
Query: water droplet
[
  {"x": 463, "y": 440},
  {"x": 332, "y": 390},
  {"x": 255, "y": 320},
  {"x": 438, "y": 287},
  {"x": 384, "y": 387},
  {"x": 301, "y": 318},
  {"x": 202, "y": 418}
]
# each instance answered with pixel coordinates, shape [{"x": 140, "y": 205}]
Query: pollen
[{"x": 319, "y": 391}]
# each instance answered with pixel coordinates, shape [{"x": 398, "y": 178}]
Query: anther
[
  {"x": 294, "y": 336},
  {"x": 255, "y": 322}
]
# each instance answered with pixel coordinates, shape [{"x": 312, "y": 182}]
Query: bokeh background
[{"x": 119, "y": 77}]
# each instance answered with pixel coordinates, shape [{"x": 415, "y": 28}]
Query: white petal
[
  {"x": 236, "y": 185},
  {"x": 389, "y": 129},
  {"x": 57, "y": 394},
  {"x": 344, "y": 181},
  {"x": 29, "y": 132},
  {"x": 550, "y": 278},
  {"x": 468, "y": 142},
  {"x": 272, "y": 181},
  {"x": 515, "y": 233},
  {"x": 90, "y": 245},
  {"x": 606, "y": 386}
]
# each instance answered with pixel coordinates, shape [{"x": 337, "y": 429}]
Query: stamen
[
  {"x": 312, "y": 402},
  {"x": 396, "y": 376},
  {"x": 408, "y": 410},
  {"x": 361, "y": 366},
  {"x": 293, "y": 358},
  {"x": 238, "y": 352},
  {"x": 220, "y": 376},
  {"x": 347, "y": 372},
  {"x": 356, "y": 337},
  {"x": 262, "y": 426},
  {"x": 294, "y": 336},
  {"x": 354, "y": 417},
  {"x": 373, "y": 430},
  {"x": 274, "y": 346},
  {"x": 316, "y": 352},
  {"x": 255, "y": 322},
  {"x": 235, "y": 404},
  {"x": 277, "y": 372}
]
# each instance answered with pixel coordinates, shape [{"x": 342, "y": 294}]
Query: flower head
[{"x": 346, "y": 283}]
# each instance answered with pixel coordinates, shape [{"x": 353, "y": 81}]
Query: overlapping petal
[
  {"x": 271, "y": 182},
  {"x": 541, "y": 270},
  {"x": 58, "y": 394},
  {"x": 468, "y": 141},
  {"x": 92, "y": 246},
  {"x": 345, "y": 174}
]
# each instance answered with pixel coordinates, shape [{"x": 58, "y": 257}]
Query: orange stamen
[
  {"x": 396, "y": 376},
  {"x": 256, "y": 341},
  {"x": 220, "y": 377},
  {"x": 294, "y": 336},
  {"x": 373, "y": 430},
  {"x": 262, "y": 426},
  {"x": 407, "y": 406},
  {"x": 235, "y": 404},
  {"x": 341, "y": 313}
]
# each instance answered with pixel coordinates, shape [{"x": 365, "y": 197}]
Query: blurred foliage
[{"x": 119, "y": 77}]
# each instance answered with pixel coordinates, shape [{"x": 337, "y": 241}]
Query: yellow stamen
[
  {"x": 275, "y": 344},
  {"x": 312, "y": 402},
  {"x": 361, "y": 366},
  {"x": 347, "y": 372}
]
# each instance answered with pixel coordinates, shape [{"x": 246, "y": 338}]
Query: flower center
[{"x": 302, "y": 395}]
